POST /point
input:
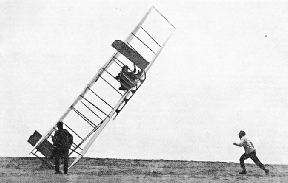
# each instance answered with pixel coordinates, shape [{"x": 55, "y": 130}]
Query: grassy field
[{"x": 28, "y": 169}]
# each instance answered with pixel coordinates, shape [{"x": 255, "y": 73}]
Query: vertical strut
[
  {"x": 118, "y": 61},
  {"x": 164, "y": 18},
  {"x": 151, "y": 37},
  {"x": 84, "y": 117},
  {"x": 95, "y": 106},
  {"x": 91, "y": 110},
  {"x": 73, "y": 131},
  {"x": 110, "y": 85},
  {"x": 100, "y": 98},
  {"x": 143, "y": 43}
]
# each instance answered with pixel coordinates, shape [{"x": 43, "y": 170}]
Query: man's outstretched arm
[{"x": 238, "y": 144}]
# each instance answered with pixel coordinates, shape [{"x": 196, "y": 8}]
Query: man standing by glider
[
  {"x": 62, "y": 141},
  {"x": 250, "y": 152}
]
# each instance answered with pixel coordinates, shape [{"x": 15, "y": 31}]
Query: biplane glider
[{"x": 110, "y": 89}]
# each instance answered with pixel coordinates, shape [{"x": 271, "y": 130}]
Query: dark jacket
[{"x": 62, "y": 139}]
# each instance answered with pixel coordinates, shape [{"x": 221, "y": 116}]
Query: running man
[{"x": 250, "y": 152}]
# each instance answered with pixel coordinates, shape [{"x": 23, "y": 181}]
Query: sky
[{"x": 225, "y": 69}]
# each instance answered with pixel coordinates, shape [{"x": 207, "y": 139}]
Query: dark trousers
[
  {"x": 253, "y": 156},
  {"x": 61, "y": 153}
]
